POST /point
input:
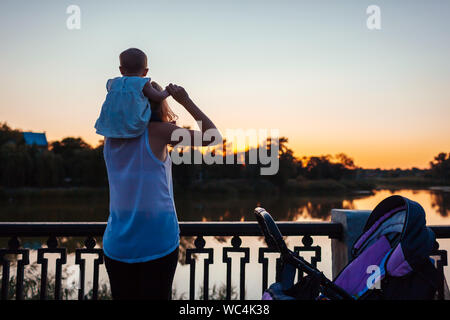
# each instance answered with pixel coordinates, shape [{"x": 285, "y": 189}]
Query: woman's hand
[{"x": 178, "y": 93}]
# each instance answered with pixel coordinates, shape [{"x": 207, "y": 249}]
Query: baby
[{"x": 126, "y": 110}]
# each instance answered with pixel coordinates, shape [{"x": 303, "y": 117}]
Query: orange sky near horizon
[{"x": 370, "y": 155}]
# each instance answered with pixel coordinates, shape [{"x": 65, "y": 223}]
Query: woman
[{"x": 142, "y": 235}]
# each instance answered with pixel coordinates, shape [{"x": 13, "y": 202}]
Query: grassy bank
[
  {"x": 292, "y": 187},
  {"x": 407, "y": 182},
  {"x": 243, "y": 187},
  {"x": 78, "y": 192},
  {"x": 328, "y": 186}
]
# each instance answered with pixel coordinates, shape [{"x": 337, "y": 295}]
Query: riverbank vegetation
[{"x": 74, "y": 168}]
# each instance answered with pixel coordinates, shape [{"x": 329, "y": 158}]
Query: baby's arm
[{"x": 153, "y": 94}]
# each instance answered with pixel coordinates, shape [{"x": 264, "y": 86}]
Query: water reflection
[
  {"x": 48, "y": 207},
  {"x": 282, "y": 208},
  {"x": 440, "y": 201}
]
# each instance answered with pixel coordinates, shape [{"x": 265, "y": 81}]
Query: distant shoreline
[{"x": 243, "y": 188}]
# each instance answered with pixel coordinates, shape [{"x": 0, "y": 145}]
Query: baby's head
[{"x": 133, "y": 62}]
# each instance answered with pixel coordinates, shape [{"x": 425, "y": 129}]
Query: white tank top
[{"x": 142, "y": 223}]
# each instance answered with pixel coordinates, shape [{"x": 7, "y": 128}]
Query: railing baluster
[
  {"x": 307, "y": 242},
  {"x": 440, "y": 257},
  {"x": 5, "y": 275},
  {"x": 236, "y": 243},
  {"x": 265, "y": 266},
  {"x": 52, "y": 247},
  {"x": 199, "y": 248},
  {"x": 13, "y": 248},
  {"x": 191, "y": 262},
  {"x": 81, "y": 263},
  {"x": 90, "y": 243}
]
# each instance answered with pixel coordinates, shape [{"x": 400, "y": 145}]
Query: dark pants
[{"x": 150, "y": 280}]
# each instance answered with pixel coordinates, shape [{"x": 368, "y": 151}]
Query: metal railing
[
  {"x": 13, "y": 231},
  {"x": 90, "y": 230}
]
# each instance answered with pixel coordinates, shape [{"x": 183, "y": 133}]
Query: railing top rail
[
  {"x": 441, "y": 231},
  {"x": 331, "y": 229},
  {"x": 37, "y": 229}
]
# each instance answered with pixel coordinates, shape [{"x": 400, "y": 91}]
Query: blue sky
[{"x": 309, "y": 68}]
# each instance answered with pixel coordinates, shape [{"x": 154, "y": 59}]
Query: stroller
[{"x": 390, "y": 260}]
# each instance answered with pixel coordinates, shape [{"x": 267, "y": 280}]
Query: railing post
[
  {"x": 52, "y": 247},
  {"x": 90, "y": 244},
  {"x": 307, "y": 242},
  {"x": 199, "y": 248},
  {"x": 236, "y": 242},
  {"x": 352, "y": 222}
]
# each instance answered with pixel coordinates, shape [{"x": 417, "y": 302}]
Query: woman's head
[{"x": 162, "y": 109}]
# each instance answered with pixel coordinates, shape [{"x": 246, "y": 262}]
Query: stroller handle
[
  {"x": 272, "y": 234},
  {"x": 274, "y": 239}
]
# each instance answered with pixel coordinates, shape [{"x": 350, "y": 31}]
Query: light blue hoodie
[{"x": 126, "y": 111}]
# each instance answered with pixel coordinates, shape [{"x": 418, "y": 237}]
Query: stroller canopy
[{"x": 395, "y": 241}]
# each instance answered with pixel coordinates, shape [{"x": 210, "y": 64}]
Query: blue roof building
[{"x": 38, "y": 139}]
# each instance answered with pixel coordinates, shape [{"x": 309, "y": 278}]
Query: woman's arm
[{"x": 173, "y": 134}]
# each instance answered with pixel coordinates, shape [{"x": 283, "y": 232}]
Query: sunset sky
[{"x": 311, "y": 69}]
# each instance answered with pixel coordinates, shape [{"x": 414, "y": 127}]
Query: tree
[
  {"x": 10, "y": 135},
  {"x": 346, "y": 161},
  {"x": 288, "y": 164},
  {"x": 440, "y": 167}
]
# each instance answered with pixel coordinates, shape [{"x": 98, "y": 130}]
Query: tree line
[{"x": 73, "y": 162}]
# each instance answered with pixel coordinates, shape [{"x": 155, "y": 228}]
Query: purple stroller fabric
[
  {"x": 397, "y": 265},
  {"x": 354, "y": 277},
  {"x": 266, "y": 296}
]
